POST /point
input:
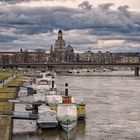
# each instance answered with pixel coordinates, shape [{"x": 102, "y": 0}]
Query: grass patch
[
  {"x": 8, "y": 90},
  {"x": 6, "y": 108},
  {"x": 5, "y": 127},
  {"x": 14, "y": 83},
  {"x": 5, "y": 75},
  {"x": 7, "y": 96}
]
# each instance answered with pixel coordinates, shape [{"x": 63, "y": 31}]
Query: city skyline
[{"x": 110, "y": 26}]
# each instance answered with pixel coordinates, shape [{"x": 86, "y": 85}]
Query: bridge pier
[{"x": 136, "y": 71}]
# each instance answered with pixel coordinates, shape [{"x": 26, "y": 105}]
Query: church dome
[{"x": 69, "y": 49}]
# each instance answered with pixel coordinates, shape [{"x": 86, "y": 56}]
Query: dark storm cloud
[
  {"x": 100, "y": 21},
  {"x": 85, "y": 5},
  {"x": 6, "y": 38},
  {"x": 19, "y": 1},
  {"x": 36, "y": 20}
]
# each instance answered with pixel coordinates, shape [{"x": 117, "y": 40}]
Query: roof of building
[
  {"x": 69, "y": 49},
  {"x": 9, "y": 52}
]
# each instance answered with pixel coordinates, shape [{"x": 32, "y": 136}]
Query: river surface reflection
[
  {"x": 112, "y": 106},
  {"x": 55, "y": 134}
]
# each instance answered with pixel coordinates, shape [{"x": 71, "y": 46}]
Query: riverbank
[{"x": 9, "y": 91}]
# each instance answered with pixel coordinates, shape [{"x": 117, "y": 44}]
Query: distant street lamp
[
  {"x": 3, "y": 81},
  {"x": 3, "y": 78}
]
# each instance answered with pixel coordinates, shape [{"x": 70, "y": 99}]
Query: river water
[{"x": 112, "y": 108}]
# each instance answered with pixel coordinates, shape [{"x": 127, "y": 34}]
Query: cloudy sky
[{"x": 106, "y": 25}]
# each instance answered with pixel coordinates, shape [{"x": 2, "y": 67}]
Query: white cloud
[{"x": 89, "y": 26}]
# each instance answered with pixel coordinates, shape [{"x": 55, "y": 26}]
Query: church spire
[
  {"x": 51, "y": 48},
  {"x": 60, "y": 34}
]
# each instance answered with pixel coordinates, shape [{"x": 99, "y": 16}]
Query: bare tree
[{"x": 40, "y": 55}]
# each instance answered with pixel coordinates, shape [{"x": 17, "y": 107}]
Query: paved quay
[{"x": 8, "y": 91}]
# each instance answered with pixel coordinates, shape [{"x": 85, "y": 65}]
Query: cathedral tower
[
  {"x": 61, "y": 53},
  {"x": 60, "y": 43}
]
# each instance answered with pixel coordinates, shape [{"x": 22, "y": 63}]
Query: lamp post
[
  {"x": 3, "y": 79},
  {"x": 3, "y": 82}
]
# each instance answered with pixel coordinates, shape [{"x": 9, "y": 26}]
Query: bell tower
[
  {"x": 60, "y": 43},
  {"x": 59, "y": 47},
  {"x": 60, "y": 34}
]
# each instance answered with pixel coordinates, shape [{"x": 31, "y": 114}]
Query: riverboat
[
  {"x": 67, "y": 112},
  {"x": 47, "y": 117}
]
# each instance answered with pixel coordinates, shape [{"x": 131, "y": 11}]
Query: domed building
[
  {"x": 69, "y": 54},
  {"x": 61, "y": 52}
]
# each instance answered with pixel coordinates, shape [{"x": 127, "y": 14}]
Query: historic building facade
[
  {"x": 61, "y": 52},
  {"x": 59, "y": 48},
  {"x": 98, "y": 57},
  {"x": 129, "y": 59}
]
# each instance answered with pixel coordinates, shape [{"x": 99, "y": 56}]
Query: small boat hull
[
  {"x": 68, "y": 125},
  {"x": 67, "y": 115}
]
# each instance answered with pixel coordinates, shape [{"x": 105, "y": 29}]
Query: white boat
[
  {"x": 106, "y": 70},
  {"x": 53, "y": 99},
  {"x": 56, "y": 99},
  {"x": 67, "y": 116},
  {"x": 47, "y": 117},
  {"x": 44, "y": 84},
  {"x": 39, "y": 97},
  {"x": 22, "y": 92},
  {"x": 80, "y": 72}
]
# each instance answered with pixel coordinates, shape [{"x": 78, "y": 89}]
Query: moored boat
[
  {"x": 47, "y": 117},
  {"x": 67, "y": 116},
  {"x": 45, "y": 83},
  {"x": 67, "y": 112}
]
